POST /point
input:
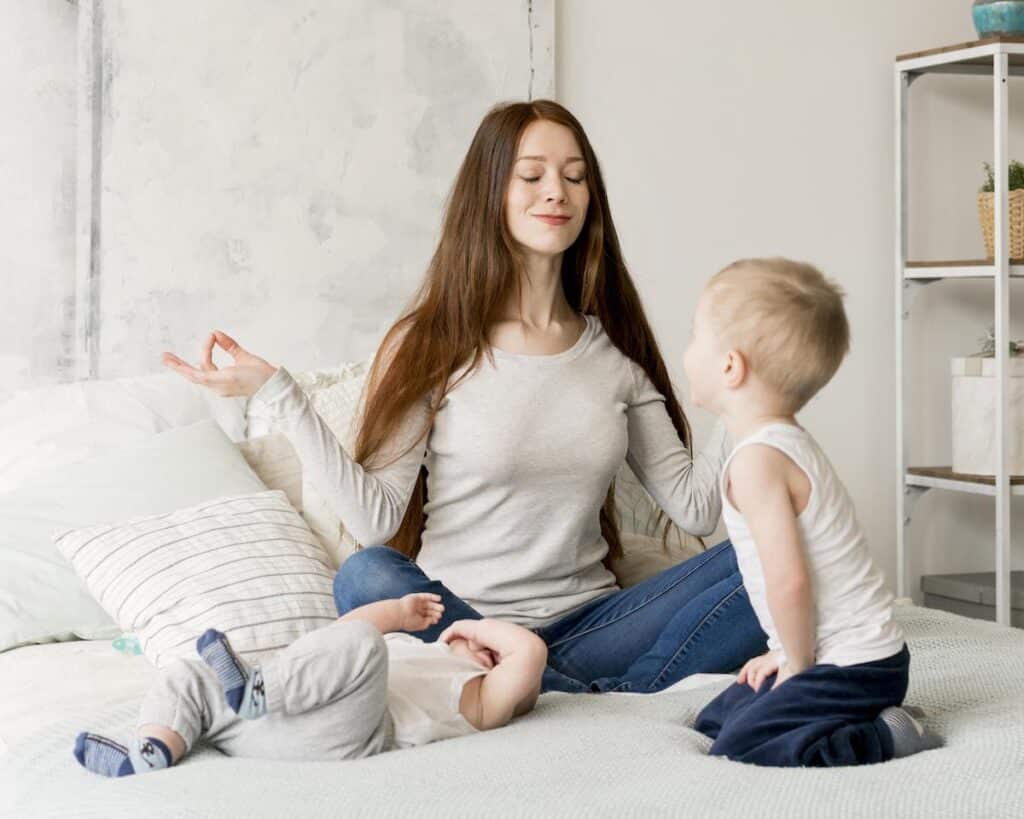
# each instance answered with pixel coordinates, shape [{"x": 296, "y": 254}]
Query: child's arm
[
  {"x": 510, "y": 688},
  {"x": 413, "y": 612},
  {"x": 760, "y": 490}
]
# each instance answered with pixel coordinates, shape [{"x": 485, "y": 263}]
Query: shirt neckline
[{"x": 571, "y": 352}]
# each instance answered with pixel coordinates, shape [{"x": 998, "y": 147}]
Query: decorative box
[{"x": 974, "y": 415}]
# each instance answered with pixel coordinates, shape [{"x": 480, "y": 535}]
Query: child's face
[{"x": 703, "y": 361}]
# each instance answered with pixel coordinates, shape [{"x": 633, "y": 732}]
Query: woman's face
[{"x": 547, "y": 198}]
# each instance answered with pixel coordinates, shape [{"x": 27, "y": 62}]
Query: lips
[{"x": 552, "y": 220}]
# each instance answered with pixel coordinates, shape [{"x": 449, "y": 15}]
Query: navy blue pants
[{"x": 826, "y": 716}]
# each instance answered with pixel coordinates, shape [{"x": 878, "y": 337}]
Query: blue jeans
[{"x": 692, "y": 618}]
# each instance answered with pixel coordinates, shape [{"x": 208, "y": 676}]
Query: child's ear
[{"x": 735, "y": 369}]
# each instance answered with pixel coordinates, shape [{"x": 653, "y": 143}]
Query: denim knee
[{"x": 366, "y": 576}]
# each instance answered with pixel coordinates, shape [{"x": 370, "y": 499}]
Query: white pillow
[
  {"x": 41, "y": 599},
  {"x": 45, "y": 428},
  {"x": 335, "y": 395},
  {"x": 274, "y": 460},
  {"x": 248, "y": 566}
]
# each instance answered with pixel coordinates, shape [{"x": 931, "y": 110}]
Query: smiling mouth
[{"x": 553, "y": 220}]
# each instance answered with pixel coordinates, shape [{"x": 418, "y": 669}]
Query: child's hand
[
  {"x": 759, "y": 669},
  {"x": 420, "y": 610},
  {"x": 462, "y": 636},
  {"x": 785, "y": 672},
  {"x": 472, "y": 651}
]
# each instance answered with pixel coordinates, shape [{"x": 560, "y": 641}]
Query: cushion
[
  {"x": 335, "y": 394},
  {"x": 44, "y": 428},
  {"x": 41, "y": 599},
  {"x": 274, "y": 460},
  {"x": 644, "y": 556},
  {"x": 246, "y": 565}
]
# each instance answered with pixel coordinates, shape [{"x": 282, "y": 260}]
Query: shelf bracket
[
  {"x": 910, "y": 290},
  {"x": 913, "y": 494}
]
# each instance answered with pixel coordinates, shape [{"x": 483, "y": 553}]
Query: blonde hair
[{"x": 786, "y": 319}]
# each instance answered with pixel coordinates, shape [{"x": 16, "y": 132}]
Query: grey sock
[{"x": 908, "y": 735}]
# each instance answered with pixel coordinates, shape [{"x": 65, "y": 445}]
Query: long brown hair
[{"x": 473, "y": 274}]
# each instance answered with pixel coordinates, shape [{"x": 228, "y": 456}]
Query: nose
[{"x": 555, "y": 191}]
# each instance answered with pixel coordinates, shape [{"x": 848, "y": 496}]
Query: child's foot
[
  {"x": 908, "y": 735},
  {"x": 108, "y": 758},
  {"x": 243, "y": 687}
]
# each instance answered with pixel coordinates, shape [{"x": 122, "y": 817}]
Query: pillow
[
  {"x": 44, "y": 428},
  {"x": 41, "y": 599},
  {"x": 274, "y": 460},
  {"x": 335, "y": 395},
  {"x": 246, "y": 565},
  {"x": 644, "y": 556}
]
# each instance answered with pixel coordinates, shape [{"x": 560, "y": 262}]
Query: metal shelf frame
[{"x": 999, "y": 59}]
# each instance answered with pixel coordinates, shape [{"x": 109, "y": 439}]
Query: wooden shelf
[
  {"x": 959, "y": 269},
  {"x": 943, "y": 477},
  {"x": 973, "y": 57}
]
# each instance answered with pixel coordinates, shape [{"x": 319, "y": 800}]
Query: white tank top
[
  {"x": 854, "y": 610},
  {"x": 425, "y": 682}
]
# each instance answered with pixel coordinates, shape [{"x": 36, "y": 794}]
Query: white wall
[
  {"x": 37, "y": 172},
  {"x": 276, "y": 170},
  {"x": 736, "y": 129}
]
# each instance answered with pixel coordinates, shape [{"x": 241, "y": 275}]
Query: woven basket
[{"x": 986, "y": 212}]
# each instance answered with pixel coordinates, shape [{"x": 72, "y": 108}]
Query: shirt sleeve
[
  {"x": 370, "y": 502},
  {"x": 685, "y": 487}
]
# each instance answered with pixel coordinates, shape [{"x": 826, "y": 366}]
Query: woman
[{"x": 497, "y": 413}]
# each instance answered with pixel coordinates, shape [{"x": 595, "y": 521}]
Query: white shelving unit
[{"x": 999, "y": 59}]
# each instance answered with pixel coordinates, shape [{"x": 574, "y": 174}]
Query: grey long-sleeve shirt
[{"x": 519, "y": 458}]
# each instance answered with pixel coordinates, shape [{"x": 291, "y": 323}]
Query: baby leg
[
  {"x": 326, "y": 697},
  {"x": 172, "y": 717}
]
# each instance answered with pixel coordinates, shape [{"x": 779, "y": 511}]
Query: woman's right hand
[{"x": 244, "y": 377}]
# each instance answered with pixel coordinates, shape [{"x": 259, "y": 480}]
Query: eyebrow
[{"x": 544, "y": 158}]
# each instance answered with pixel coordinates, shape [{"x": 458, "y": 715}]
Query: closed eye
[{"x": 537, "y": 179}]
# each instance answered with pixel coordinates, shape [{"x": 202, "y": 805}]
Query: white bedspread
[{"x": 585, "y": 755}]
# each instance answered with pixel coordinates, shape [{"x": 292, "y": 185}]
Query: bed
[{"x": 592, "y": 755}]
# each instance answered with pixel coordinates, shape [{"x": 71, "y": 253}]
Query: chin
[{"x": 546, "y": 248}]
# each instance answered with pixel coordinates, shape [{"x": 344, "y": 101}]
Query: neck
[
  {"x": 742, "y": 423},
  {"x": 541, "y": 299}
]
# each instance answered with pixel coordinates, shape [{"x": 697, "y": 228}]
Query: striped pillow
[{"x": 247, "y": 565}]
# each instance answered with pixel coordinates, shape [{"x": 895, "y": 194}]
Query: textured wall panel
[{"x": 278, "y": 170}]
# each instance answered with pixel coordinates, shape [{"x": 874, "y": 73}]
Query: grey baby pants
[{"x": 327, "y": 697}]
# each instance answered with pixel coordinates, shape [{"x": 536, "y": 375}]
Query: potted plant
[{"x": 987, "y": 207}]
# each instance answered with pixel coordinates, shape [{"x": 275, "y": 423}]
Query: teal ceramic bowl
[{"x": 995, "y": 17}]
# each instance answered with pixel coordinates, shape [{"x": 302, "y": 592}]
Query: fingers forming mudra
[{"x": 242, "y": 378}]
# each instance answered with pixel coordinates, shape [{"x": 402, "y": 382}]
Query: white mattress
[{"x": 593, "y": 755}]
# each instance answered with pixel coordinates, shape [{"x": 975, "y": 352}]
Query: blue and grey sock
[
  {"x": 908, "y": 735},
  {"x": 243, "y": 687},
  {"x": 105, "y": 757}
]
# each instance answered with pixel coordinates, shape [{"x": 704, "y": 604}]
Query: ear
[{"x": 735, "y": 370}]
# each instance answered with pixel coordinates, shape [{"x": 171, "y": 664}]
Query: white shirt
[
  {"x": 519, "y": 461},
  {"x": 425, "y": 682},
  {"x": 854, "y": 610}
]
